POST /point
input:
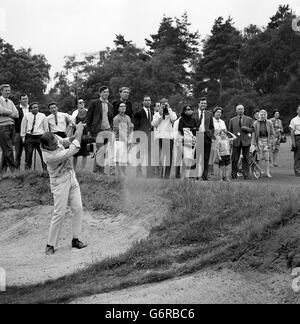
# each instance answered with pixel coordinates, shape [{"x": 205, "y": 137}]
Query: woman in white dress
[{"x": 219, "y": 125}]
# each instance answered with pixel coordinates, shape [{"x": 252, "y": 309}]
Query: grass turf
[{"x": 206, "y": 223}]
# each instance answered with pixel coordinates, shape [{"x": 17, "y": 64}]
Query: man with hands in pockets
[{"x": 65, "y": 188}]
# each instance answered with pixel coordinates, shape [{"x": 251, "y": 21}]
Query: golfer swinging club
[{"x": 57, "y": 154}]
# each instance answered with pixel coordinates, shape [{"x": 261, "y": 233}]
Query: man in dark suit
[
  {"x": 142, "y": 122},
  {"x": 100, "y": 121},
  {"x": 124, "y": 95},
  {"x": 242, "y": 127},
  {"x": 205, "y": 124},
  {"x": 23, "y": 109}
]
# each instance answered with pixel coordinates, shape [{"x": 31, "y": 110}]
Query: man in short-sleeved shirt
[{"x": 295, "y": 132}]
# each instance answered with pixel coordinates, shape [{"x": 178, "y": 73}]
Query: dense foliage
[{"x": 258, "y": 67}]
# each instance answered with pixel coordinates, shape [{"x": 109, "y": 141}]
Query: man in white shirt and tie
[
  {"x": 34, "y": 125},
  {"x": 8, "y": 114},
  {"x": 23, "y": 109},
  {"x": 58, "y": 121}
]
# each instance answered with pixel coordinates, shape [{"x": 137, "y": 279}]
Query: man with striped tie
[{"x": 33, "y": 126}]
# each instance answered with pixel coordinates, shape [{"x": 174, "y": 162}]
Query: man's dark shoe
[
  {"x": 50, "y": 250},
  {"x": 76, "y": 244}
]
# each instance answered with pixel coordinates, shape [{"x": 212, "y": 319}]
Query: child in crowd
[{"x": 224, "y": 153}]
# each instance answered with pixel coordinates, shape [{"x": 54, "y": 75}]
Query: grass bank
[{"x": 206, "y": 224}]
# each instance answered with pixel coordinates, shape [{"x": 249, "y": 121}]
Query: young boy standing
[{"x": 224, "y": 153}]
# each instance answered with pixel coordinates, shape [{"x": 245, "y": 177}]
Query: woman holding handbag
[{"x": 262, "y": 139}]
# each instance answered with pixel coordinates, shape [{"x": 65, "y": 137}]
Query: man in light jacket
[
  {"x": 8, "y": 114},
  {"x": 242, "y": 127}
]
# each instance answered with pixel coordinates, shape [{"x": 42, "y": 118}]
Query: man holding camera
[
  {"x": 242, "y": 127},
  {"x": 58, "y": 155},
  {"x": 163, "y": 122},
  {"x": 295, "y": 133}
]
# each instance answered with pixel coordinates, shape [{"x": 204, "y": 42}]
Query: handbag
[{"x": 283, "y": 138}]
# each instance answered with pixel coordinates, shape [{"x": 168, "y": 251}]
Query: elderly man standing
[
  {"x": 64, "y": 185},
  {"x": 295, "y": 132},
  {"x": 242, "y": 127},
  {"x": 8, "y": 114}
]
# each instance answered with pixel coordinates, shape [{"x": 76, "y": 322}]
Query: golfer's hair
[
  {"x": 203, "y": 99},
  {"x": 46, "y": 138},
  {"x": 146, "y": 96}
]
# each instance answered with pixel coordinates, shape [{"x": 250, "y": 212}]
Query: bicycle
[{"x": 253, "y": 164}]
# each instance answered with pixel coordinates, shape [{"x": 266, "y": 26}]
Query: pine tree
[
  {"x": 279, "y": 18},
  {"x": 218, "y": 69},
  {"x": 175, "y": 35}
]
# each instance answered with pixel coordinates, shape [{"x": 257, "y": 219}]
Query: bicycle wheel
[{"x": 256, "y": 171}]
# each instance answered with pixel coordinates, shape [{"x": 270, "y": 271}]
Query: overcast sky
[{"x": 64, "y": 27}]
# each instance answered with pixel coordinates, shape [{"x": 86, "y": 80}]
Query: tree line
[{"x": 257, "y": 67}]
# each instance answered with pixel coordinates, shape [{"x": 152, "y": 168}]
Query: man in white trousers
[{"x": 65, "y": 188}]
